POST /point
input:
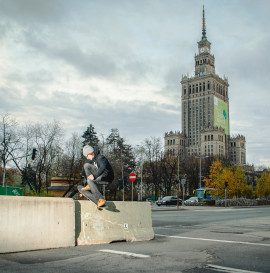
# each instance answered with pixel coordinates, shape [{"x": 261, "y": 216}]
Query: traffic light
[
  {"x": 34, "y": 153},
  {"x": 226, "y": 184},
  {"x": 120, "y": 183},
  {"x": 125, "y": 180}
]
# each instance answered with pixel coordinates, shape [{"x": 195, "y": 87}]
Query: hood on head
[{"x": 96, "y": 151}]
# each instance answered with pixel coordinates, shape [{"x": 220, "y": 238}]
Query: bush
[
  {"x": 43, "y": 193},
  {"x": 237, "y": 202},
  {"x": 209, "y": 202}
]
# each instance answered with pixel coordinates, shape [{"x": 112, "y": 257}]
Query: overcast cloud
[{"x": 118, "y": 64}]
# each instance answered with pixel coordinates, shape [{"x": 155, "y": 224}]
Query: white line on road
[
  {"x": 214, "y": 240},
  {"x": 228, "y": 269},
  {"x": 125, "y": 253}
]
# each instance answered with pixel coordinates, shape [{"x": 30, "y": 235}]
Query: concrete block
[
  {"x": 121, "y": 221},
  {"x": 31, "y": 223}
]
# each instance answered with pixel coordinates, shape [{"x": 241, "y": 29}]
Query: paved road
[
  {"x": 231, "y": 238},
  {"x": 187, "y": 240}
]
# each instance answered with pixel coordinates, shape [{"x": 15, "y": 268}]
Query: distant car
[
  {"x": 191, "y": 201},
  {"x": 168, "y": 200}
]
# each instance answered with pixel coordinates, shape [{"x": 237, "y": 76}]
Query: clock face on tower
[{"x": 204, "y": 49}]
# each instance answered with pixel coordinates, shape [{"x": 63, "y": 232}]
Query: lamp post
[
  {"x": 141, "y": 186},
  {"x": 200, "y": 157},
  {"x": 141, "y": 159},
  {"x": 4, "y": 169},
  {"x": 141, "y": 178},
  {"x": 178, "y": 179}
]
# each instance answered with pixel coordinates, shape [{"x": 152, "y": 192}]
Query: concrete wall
[
  {"x": 129, "y": 221},
  {"x": 30, "y": 223}
]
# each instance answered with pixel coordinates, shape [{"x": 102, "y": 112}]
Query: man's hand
[{"x": 91, "y": 177}]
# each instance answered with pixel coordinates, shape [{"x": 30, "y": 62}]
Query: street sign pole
[
  {"x": 132, "y": 178},
  {"x": 132, "y": 192}
]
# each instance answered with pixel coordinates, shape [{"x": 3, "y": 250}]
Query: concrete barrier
[
  {"x": 31, "y": 223},
  {"x": 121, "y": 221}
]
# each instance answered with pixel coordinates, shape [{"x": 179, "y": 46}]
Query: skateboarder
[{"x": 96, "y": 168}]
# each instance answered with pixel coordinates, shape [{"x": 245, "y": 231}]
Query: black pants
[{"x": 91, "y": 169}]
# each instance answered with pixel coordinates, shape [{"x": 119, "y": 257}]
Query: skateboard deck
[{"x": 88, "y": 196}]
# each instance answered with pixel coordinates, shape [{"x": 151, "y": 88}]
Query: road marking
[
  {"x": 125, "y": 253},
  {"x": 214, "y": 240},
  {"x": 214, "y": 210},
  {"x": 228, "y": 269}
]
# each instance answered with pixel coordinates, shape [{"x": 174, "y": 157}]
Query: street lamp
[
  {"x": 4, "y": 165},
  {"x": 200, "y": 157},
  {"x": 141, "y": 159},
  {"x": 142, "y": 174}
]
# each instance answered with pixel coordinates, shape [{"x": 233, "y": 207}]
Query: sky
[{"x": 119, "y": 64}]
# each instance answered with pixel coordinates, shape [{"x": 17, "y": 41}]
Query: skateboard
[{"x": 88, "y": 196}]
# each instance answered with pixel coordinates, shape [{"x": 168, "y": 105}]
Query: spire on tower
[{"x": 203, "y": 27}]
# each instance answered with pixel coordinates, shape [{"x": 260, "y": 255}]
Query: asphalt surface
[{"x": 188, "y": 239}]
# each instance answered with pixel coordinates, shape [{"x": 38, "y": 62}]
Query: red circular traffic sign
[{"x": 132, "y": 177}]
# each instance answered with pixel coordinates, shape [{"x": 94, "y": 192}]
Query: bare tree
[
  {"x": 47, "y": 140},
  {"x": 153, "y": 152},
  {"x": 71, "y": 159},
  {"x": 169, "y": 168}
]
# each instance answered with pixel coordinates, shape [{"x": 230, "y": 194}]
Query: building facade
[{"x": 205, "y": 113}]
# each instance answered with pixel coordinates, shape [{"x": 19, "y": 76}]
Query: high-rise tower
[
  {"x": 205, "y": 105},
  {"x": 205, "y": 109}
]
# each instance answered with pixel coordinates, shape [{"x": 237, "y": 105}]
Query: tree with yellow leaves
[
  {"x": 263, "y": 186},
  {"x": 237, "y": 184},
  {"x": 240, "y": 187},
  {"x": 227, "y": 175},
  {"x": 214, "y": 178}
]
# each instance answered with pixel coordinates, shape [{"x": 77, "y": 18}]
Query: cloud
[
  {"x": 119, "y": 64},
  {"x": 37, "y": 11}
]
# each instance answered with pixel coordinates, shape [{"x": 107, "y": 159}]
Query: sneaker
[
  {"x": 101, "y": 202},
  {"x": 86, "y": 188}
]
